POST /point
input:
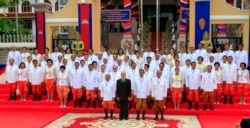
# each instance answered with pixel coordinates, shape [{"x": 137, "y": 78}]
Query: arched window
[
  {"x": 26, "y": 6},
  {"x": 12, "y": 9},
  {"x": 60, "y": 4},
  {"x": 56, "y": 6},
  {"x": 47, "y": 1}
]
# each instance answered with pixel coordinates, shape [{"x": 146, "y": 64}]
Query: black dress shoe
[
  {"x": 121, "y": 118},
  {"x": 105, "y": 118},
  {"x": 126, "y": 118},
  {"x": 162, "y": 118},
  {"x": 204, "y": 107},
  {"x": 156, "y": 118},
  {"x": 137, "y": 118},
  {"x": 211, "y": 108},
  {"x": 144, "y": 118}
]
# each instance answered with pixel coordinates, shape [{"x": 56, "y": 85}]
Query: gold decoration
[
  {"x": 202, "y": 23},
  {"x": 206, "y": 42},
  {"x": 78, "y": 44}
]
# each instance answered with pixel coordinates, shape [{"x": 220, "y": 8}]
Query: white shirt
[
  {"x": 141, "y": 87},
  {"x": 243, "y": 76},
  {"x": 115, "y": 76},
  {"x": 183, "y": 58},
  {"x": 62, "y": 78},
  {"x": 208, "y": 82},
  {"x": 14, "y": 55},
  {"x": 50, "y": 72},
  {"x": 159, "y": 88},
  {"x": 12, "y": 73},
  {"x": 192, "y": 56},
  {"x": 76, "y": 78},
  {"x": 241, "y": 56},
  {"x": 101, "y": 78},
  {"x": 177, "y": 81},
  {"x": 201, "y": 52},
  {"x": 92, "y": 58},
  {"x": 107, "y": 90},
  {"x": 24, "y": 56},
  {"x": 219, "y": 76},
  {"x": 90, "y": 79},
  {"x": 37, "y": 57},
  {"x": 29, "y": 65},
  {"x": 148, "y": 54},
  {"x": 36, "y": 75},
  {"x": 23, "y": 74},
  {"x": 54, "y": 56},
  {"x": 218, "y": 57},
  {"x": 193, "y": 79},
  {"x": 230, "y": 53},
  {"x": 229, "y": 73}
]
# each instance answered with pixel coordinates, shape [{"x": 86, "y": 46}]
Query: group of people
[{"x": 127, "y": 79}]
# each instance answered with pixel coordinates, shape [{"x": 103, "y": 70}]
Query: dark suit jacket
[{"x": 123, "y": 89}]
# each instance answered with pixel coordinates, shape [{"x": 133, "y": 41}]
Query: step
[
  {"x": 169, "y": 105},
  {"x": 69, "y": 109}
]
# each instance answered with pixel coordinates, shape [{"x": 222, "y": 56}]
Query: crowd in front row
[{"x": 128, "y": 78}]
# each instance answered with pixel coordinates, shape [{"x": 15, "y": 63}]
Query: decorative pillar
[
  {"x": 40, "y": 9},
  {"x": 85, "y": 24},
  {"x": 127, "y": 41},
  {"x": 202, "y": 20}
]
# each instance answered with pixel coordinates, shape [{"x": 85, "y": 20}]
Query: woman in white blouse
[
  {"x": 121, "y": 54},
  {"x": 63, "y": 86},
  {"x": 67, "y": 55},
  {"x": 22, "y": 82},
  {"x": 243, "y": 82}
]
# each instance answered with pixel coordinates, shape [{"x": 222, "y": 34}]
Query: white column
[
  {"x": 20, "y": 8},
  {"x": 134, "y": 26},
  {"x": 235, "y": 3},
  {"x": 33, "y": 27}
]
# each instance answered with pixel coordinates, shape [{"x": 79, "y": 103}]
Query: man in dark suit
[{"x": 123, "y": 90}]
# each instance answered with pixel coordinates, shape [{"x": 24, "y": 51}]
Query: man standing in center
[
  {"x": 159, "y": 94},
  {"x": 123, "y": 92}
]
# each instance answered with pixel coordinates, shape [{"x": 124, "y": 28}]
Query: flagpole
[
  {"x": 157, "y": 24},
  {"x": 142, "y": 26}
]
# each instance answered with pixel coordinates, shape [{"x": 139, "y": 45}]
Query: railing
[
  {"x": 221, "y": 41},
  {"x": 7, "y": 41}
]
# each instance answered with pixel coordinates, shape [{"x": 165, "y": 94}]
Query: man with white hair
[
  {"x": 101, "y": 77},
  {"x": 107, "y": 88},
  {"x": 123, "y": 93},
  {"x": 210, "y": 61},
  {"x": 120, "y": 65},
  {"x": 11, "y": 78},
  {"x": 13, "y": 54}
]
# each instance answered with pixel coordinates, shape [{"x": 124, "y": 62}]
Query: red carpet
[
  {"x": 153, "y": 41},
  {"x": 41, "y": 113}
]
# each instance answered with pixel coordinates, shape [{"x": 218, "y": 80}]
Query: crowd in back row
[{"x": 182, "y": 73}]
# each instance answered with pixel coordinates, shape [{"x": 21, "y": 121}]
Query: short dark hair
[
  {"x": 50, "y": 60},
  {"x": 216, "y": 63},
  {"x": 62, "y": 67}
]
